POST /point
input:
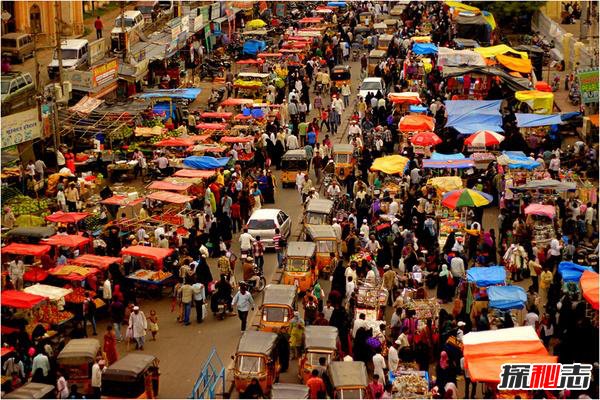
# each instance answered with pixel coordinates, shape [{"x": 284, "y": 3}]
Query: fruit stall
[
  {"x": 371, "y": 300},
  {"x": 73, "y": 277},
  {"x": 52, "y": 311},
  {"x": 92, "y": 260},
  {"x": 70, "y": 243},
  {"x": 32, "y": 254},
  {"x": 20, "y": 307},
  {"x": 151, "y": 283},
  {"x": 173, "y": 206},
  {"x": 147, "y": 258}
]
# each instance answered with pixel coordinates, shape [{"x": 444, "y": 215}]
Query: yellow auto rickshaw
[
  {"x": 343, "y": 158},
  {"x": 299, "y": 264},
  {"x": 375, "y": 57},
  {"x": 324, "y": 238},
  {"x": 76, "y": 360},
  {"x": 319, "y": 341},
  {"x": 256, "y": 357},
  {"x": 392, "y": 25},
  {"x": 278, "y": 306},
  {"x": 365, "y": 17},
  {"x": 318, "y": 212},
  {"x": 349, "y": 379},
  {"x": 340, "y": 75},
  {"x": 292, "y": 162},
  {"x": 126, "y": 378},
  {"x": 384, "y": 41}
]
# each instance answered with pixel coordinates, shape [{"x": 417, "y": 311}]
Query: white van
[
  {"x": 132, "y": 19},
  {"x": 74, "y": 55},
  {"x": 371, "y": 85}
]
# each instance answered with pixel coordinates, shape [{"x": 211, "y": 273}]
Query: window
[
  {"x": 4, "y": 87},
  {"x": 352, "y": 394},
  {"x": 259, "y": 224},
  {"x": 313, "y": 358},
  {"x": 315, "y": 218},
  {"x": 371, "y": 86},
  {"x": 246, "y": 364},
  {"x": 297, "y": 265},
  {"x": 280, "y": 219},
  {"x": 20, "y": 83},
  {"x": 9, "y": 43},
  {"x": 342, "y": 158},
  {"x": 325, "y": 246},
  {"x": 35, "y": 18},
  {"x": 275, "y": 314},
  {"x": 67, "y": 54},
  {"x": 28, "y": 78}
]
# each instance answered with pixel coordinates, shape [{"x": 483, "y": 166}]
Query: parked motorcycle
[
  {"x": 257, "y": 283},
  {"x": 574, "y": 95}
]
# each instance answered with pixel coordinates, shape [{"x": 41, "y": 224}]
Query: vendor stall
[
  {"x": 69, "y": 243},
  {"x": 34, "y": 272},
  {"x": 409, "y": 383},
  {"x": 470, "y": 116},
  {"x": 151, "y": 258},
  {"x": 371, "y": 300},
  {"x": 22, "y": 307},
  {"x": 540, "y": 219},
  {"x": 504, "y": 301},
  {"x": 51, "y": 312},
  {"x": 535, "y": 127}
]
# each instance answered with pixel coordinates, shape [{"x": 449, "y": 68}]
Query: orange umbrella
[
  {"x": 425, "y": 139},
  {"x": 589, "y": 287}
]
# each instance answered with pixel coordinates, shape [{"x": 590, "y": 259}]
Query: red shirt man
[{"x": 316, "y": 386}]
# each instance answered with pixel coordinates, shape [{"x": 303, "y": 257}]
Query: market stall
[
  {"x": 69, "y": 243},
  {"x": 589, "y": 288},
  {"x": 30, "y": 252},
  {"x": 51, "y": 312},
  {"x": 470, "y": 116},
  {"x": 173, "y": 206},
  {"x": 409, "y": 383},
  {"x": 65, "y": 218},
  {"x": 540, "y": 218},
  {"x": 538, "y": 102},
  {"x": 371, "y": 300},
  {"x": 19, "y": 306},
  {"x": 535, "y": 127},
  {"x": 504, "y": 301},
  {"x": 151, "y": 258}
]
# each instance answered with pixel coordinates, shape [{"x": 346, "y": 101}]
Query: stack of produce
[
  {"x": 25, "y": 205},
  {"x": 240, "y": 83},
  {"x": 77, "y": 296},
  {"x": 159, "y": 275},
  {"x": 50, "y": 314},
  {"x": 410, "y": 384},
  {"x": 424, "y": 309}
]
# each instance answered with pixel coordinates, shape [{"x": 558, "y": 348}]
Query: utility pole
[
  {"x": 124, "y": 48},
  {"x": 58, "y": 21}
]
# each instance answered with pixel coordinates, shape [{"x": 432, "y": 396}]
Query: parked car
[
  {"x": 263, "y": 222},
  {"x": 18, "y": 92},
  {"x": 74, "y": 55},
  {"x": 148, "y": 9},
  {"x": 18, "y": 46},
  {"x": 371, "y": 85},
  {"x": 132, "y": 19}
]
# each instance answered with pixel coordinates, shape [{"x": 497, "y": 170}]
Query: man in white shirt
[
  {"x": 337, "y": 228},
  {"x": 158, "y": 232},
  {"x": 531, "y": 319},
  {"x": 97, "y": 370},
  {"x": 393, "y": 358},
  {"x": 364, "y": 228},
  {"x": 373, "y": 245},
  {"x": 354, "y": 130},
  {"x": 333, "y": 190},
  {"x": 379, "y": 366},
  {"x": 246, "y": 241},
  {"x": 415, "y": 176},
  {"x": 402, "y": 341},
  {"x": 291, "y": 142},
  {"x": 361, "y": 322},
  {"x": 393, "y": 208},
  {"x": 107, "y": 291},
  {"x": 457, "y": 267},
  {"x": 350, "y": 286}
]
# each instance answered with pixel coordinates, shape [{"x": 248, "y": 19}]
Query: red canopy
[
  {"x": 225, "y": 115},
  {"x": 155, "y": 253},
  {"x": 67, "y": 217},
  {"x": 540, "y": 209},
  {"x": 176, "y": 187},
  {"x": 175, "y": 142},
  {"x": 92, "y": 260},
  {"x": 211, "y": 126},
  {"x": 265, "y": 55},
  {"x": 248, "y": 61},
  {"x": 543, "y": 86},
  {"x": 118, "y": 200},
  {"x": 310, "y": 20},
  {"x": 18, "y": 299},
  {"x": 232, "y": 101},
  {"x": 300, "y": 39},
  {"x": 293, "y": 51},
  {"x": 193, "y": 173},
  {"x": 22, "y": 249},
  {"x": 199, "y": 138},
  {"x": 237, "y": 139},
  {"x": 415, "y": 122},
  {"x": 67, "y": 240},
  {"x": 242, "y": 117},
  {"x": 170, "y": 197},
  {"x": 589, "y": 288},
  {"x": 35, "y": 274},
  {"x": 294, "y": 45}
]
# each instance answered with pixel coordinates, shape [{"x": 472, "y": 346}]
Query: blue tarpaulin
[
  {"x": 506, "y": 297},
  {"x": 470, "y": 116},
  {"x": 205, "y": 162},
  {"x": 486, "y": 276},
  {"x": 533, "y": 120},
  {"x": 439, "y": 160},
  {"x": 336, "y": 4},
  {"x": 424, "y": 48},
  {"x": 188, "y": 94},
  {"x": 253, "y": 46},
  {"x": 571, "y": 272},
  {"x": 568, "y": 115},
  {"x": 418, "y": 109},
  {"x": 518, "y": 159}
]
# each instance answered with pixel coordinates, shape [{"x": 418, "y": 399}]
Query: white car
[
  {"x": 263, "y": 222},
  {"x": 132, "y": 19},
  {"x": 371, "y": 85},
  {"x": 74, "y": 55}
]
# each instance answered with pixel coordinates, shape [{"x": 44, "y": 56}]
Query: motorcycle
[
  {"x": 574, "y": 95},
  {"x": 222, "y": 307},
  {"x": 216, "y": 97},
  {"x": 257, "y": 283}
]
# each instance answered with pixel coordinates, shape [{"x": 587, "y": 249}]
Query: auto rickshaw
[
  {"x": 326, "y": 242},
  {"x": 340, "y": 75},
  {"x": 349, "y": 379},
  {"x": 292, "y": 162},
  {"x": 32, "y": 390},
  {"x": 299, "y": 265},
  {"x": 76, "y": 359},
  {"x": 319, "y": 341},
  {"x": 278, "y": 307},
  {"x": 256, "y": 357},
  {"x": 365, "y": 18},
  {"x": 384, "y": 41},
  {"x": 318, "y": 212},
  {"x": 125, "y": 379},
  {"x": 30, "y": 234},
  {"x": 343, "y": 159},
  {"x": 289, "y": 391},
  {"x": 375, "y": 57}
]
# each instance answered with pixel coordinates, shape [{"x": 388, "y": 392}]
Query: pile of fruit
[
  {"x": 164, "y": 135},
  {"x": 22, "y": 205},
  {"x": 50, "y": 314},
  {"x": 160, "y": 275},
  {"x": 77, "y": 296},
  {"x": 246, "y": 84},
  {"x": 10, "y": 172}
]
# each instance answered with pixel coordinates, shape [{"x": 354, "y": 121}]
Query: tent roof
[
  {"x": 170, "y": 197},
  {"x": 486, "y": 276},
  {"x": 522, "y": 65},
  {"x": 394, "y": 164},
  {"x": 19, "y": 299},
  {"x": 36, "y": 250},
  {"x": 571, "y": 272},
  {"x": 52, "y": 292},
  {"x": 66, "y": 240},
  {"x": 589, "y": 286},
  {"x": 96, "y": 261},
  {"x": 526, "y": 120},
  {"x": 416, "y": 122},
  {"x": 193, "y": 173},
  {"x": 67, "y": 217},
  {"x": 176, "y": 187},
  {"x": 470, "y": 116},
  {"x": 424, "y": 48},
  {"x": 510, "y": 81},
  {"x": 187, "y": 94},
  {"x": 155, "y": 253},
  {"x": 205, "y": 162},
  {"x": 518, "y": 159},
  {"x": 540, "y": 209},
  {"x": 506, "y": 297},
  {"x": 493, "y": 51}
]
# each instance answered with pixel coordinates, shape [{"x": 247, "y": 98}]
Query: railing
[{"x": 211, "y": 374}]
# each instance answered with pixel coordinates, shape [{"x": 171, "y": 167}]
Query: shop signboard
[
  {"x": 215, "y": 11},
  {"x": 198, "y": 23},
  {"x": 588, "y": 85},
  {"x": 97, "y": 50},
  {"x": 21, "y": 127},
  {"x": 185, "y": 27},
  {"x": 81, "y": 80},
  {"x": 105, "y": 73}
]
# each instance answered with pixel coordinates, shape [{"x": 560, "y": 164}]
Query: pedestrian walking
[
  {"x": 97, "y": 370},
  {"x": 244, "y": 302},
  {"x": 110, "y": 345},
  {"x": 199, "y": 299},
  {"x": 98, "y": 25},
  {"x": 137, "y": 327}
]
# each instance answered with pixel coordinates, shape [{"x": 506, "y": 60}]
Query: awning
[
  {"x": 446, "y": 183},
  {"x": 493, "y": 51},
  {"x": 175, "y": 142},
  {"x": 486, "y": 276},
  {"x": 522, "y": 65},
  {"x": 118, "y": 200},
  {"x": 51, "y": 292},
  {"x": 506, "y": 297},
  {"x": 169, "y": 186},
  {"x": 205, "y": 162},
  {"x": 67, "y": 217},
  {"x": 394, "y": 164},
  {"x": 533, "y": 120},
  {"x": 470, "y": 116},
  {"x": 411, "y": 123},
  {"x": 539, "y": 102},
  {"x": 540, "y": 209},
  {"x": 237, "y": 139},
  {"x": 72, "y": 241},
  {"x": 170, "y": 197},
  {"x": 424, "y": 48},
  {"x": 439, "y": 160},
  {"x": 18, "y": 299},
  {"x": 102, "y": 262},
  {"x": 36, "y": 250},
  {"x": 193, "y": 173},
  {"x": 517, "y": 159},
  {"x": 451, "y": 57},
  {"x": 155, "y": 253},
  {"x": 405, "y": 98},
  {"x": 572, "y": 272},
  {"x": 589, "y": 287},
  {"x": 187, "y": 94}
]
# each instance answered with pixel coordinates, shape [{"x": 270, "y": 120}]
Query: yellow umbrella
[
  {"x": 256, "y": 24},
  {"x": 391, "y": 165}
]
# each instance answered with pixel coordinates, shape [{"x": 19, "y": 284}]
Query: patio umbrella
[
  {"x": 256, "y": 24},
  {"x": 425, "y": 139},
  {"x": 466, "y": 198},
  {"x": 484, "y": 139}
]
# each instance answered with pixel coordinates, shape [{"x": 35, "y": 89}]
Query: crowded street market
[{"x": 273, "y": 199}]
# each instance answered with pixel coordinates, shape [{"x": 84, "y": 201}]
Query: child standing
[{"x": 153, "y": 323}]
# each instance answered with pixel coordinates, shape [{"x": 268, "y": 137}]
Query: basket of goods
[
  {"x": 424, "y": 309},
  {"x": 411, "y": 385},
  {"x": 159, "y": 276}
]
